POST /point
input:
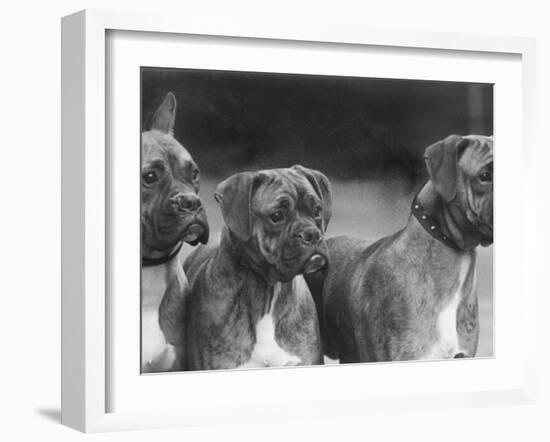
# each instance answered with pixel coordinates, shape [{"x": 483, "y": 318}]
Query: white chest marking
[
  {"x": 447, "y": 344},
  {"x": 267, "y": 352},
  {"x": 300, "y": 287},
  {"x": 156, "y": 353}
]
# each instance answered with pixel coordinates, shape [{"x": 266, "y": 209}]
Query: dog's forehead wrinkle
[
  {"x": 180, "y": 164},
  {"x": 157, "y": 146},
  {"x": 278, "y": 185},
  {"x": 301, "y": 184},
  {"x": 477, "y": 155},
  {"x": 150, "y": 158},
  {"x": 271, "y": 195}
]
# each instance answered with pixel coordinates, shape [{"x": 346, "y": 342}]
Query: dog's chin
[
  {"x": 487, "y": 239},
  {"x": 486, "y": 242},
  {"x": 314, "y": 263},
  {"x": 191, "y": 229},
  {"x": 310, "y": 264},
  {"x": 195, "y": 233},
  {"x": 486, "y": 231}
]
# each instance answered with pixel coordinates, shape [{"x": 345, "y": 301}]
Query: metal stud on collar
[{"x": 430, "y": 224}]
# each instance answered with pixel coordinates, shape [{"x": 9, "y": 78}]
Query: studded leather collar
[
  {"x": 148, "y": 262},
  {"x": 431, "y": 225}
]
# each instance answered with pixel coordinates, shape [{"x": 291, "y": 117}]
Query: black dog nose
[
  {"x": 186, "y": 201},
  {"x": 310, "y": 235}
]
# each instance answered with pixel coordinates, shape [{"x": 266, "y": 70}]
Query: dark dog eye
[
  {"x": 276, "y": 217},
  {"x": 150, "y": 177},
  {"x": 486, "y": 177},
  {"x": 195, "y": 175},
  {"x": 318, "y": 211}
]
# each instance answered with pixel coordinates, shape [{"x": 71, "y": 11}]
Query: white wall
[{"x": 30, "y": 180}]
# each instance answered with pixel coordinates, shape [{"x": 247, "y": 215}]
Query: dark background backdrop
[{"x": 348, "y": 127}]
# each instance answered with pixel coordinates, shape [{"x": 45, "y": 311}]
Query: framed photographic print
[{"x": 280, "y": 222}]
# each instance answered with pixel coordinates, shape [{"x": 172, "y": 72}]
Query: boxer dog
[
  {"x": 412, "y": 295},
  {"x": 250, "y": 306},
  {"x": 171, "y": 214}
]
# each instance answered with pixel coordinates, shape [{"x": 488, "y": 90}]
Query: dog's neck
[
  {"x": 235, "y": 261},
  {"x": 242, "y": 277},
  {"x": 151, "y": 257},
  {"x": 450, "y": 221},
  {"x": 245, "y": 258}
]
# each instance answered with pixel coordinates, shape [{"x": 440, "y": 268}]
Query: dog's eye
[
  {"x": 195, "y": 175},
  {"x": 150, "y": 177},
  {"x": 318, "y": 211},
  {"x": 486, "y": 177},
  {"x": 276, "y": 216}
]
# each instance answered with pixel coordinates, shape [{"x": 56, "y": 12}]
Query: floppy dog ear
[
  {"x": 165, "y": 115},
  {"x": 442, "y": 162},
  {"x": 234, "y": 195},
  {"x": 321, "y": 184}
]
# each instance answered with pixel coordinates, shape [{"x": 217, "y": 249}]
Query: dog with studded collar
[{"x": 412, "y": 295}]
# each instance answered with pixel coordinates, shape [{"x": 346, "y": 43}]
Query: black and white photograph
[
  {"x": 298, "y": 220},
  {"x": 274, "y": 221}
]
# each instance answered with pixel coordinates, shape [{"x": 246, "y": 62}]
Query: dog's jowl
[
  {"x": 250, "y": 305},
  {"x": 171, "y": 215},
  {"x": 412, "y": 295}
]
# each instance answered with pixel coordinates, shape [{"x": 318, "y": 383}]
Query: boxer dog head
[
  {"x": 278, "y": 218},
  {"x": 171, "y": 210},
  {"x": 461, "y": 171}
]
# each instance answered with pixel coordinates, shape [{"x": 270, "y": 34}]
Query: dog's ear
[
  {"x": 234, "y": 195},
  {"x": 321, "y": 184},
  {"x": 442, "y": 164},
  {"x": 165, "y": 115}
]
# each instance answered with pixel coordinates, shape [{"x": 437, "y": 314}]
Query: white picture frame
[{"x": 85, "y": 233}]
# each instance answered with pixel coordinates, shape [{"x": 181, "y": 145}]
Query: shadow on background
[{"x": 51, "y": 414}]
